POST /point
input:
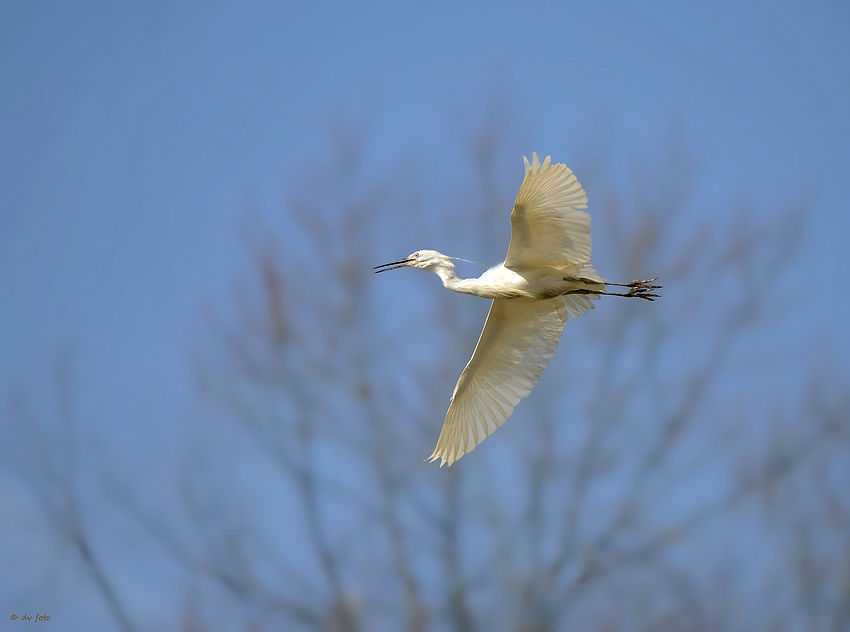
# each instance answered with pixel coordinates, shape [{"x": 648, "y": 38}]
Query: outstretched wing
[
  {"x": 515, "y": 347},
  {"x": 547, "y": 226}
]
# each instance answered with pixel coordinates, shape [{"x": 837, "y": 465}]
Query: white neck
[{"x": 451, "y": 281}]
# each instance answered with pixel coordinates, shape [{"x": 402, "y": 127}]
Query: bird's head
[{"x": 422, "y": 259}]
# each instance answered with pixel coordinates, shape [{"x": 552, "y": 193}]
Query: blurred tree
[
  {"x": 592, "y": 506},
  {"x": 660, "y": 476},
  {"x": 45, "y": 454}
]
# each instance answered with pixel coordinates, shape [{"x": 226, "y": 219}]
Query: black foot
[
  {"x": 637, "y": 288},
  {"x": 641, "y": 289}
]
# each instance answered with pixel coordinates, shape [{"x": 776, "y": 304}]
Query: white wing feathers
[
  {"x": 518, "y": 340},
  {"x": 547, "y": 226},
  {"x": 548, "y": 230}
]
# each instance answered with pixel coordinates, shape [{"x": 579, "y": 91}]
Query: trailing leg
[{"x": 637, "y": 288}]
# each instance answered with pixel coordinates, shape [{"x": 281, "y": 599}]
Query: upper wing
[
  {"x": 515, "y": 347},
  {"x": 547, "y": 227}
]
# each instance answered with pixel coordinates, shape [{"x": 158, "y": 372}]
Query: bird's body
[
  {"x": 545, "y": 278},
  {"x": 521, "y": 284}
]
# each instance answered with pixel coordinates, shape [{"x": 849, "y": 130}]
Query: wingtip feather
[
  {"x": 445, "y": 456},
  {"x": 536, "y": 165}
]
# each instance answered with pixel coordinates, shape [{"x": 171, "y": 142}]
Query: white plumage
[{"x": 545, "y": 278}]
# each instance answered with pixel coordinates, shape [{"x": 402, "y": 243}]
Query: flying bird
[{"x": 546, "y": 277}]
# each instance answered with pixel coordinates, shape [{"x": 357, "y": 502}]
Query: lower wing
[{"x": 515, "y": 347}]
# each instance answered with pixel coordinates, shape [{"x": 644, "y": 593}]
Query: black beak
[{"x": 391, "y": 266}]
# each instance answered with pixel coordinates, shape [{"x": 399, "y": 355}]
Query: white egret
[{"x": 545, "y": 277}]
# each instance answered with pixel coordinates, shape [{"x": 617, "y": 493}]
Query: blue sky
[{"x": 134, "y": 136}]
